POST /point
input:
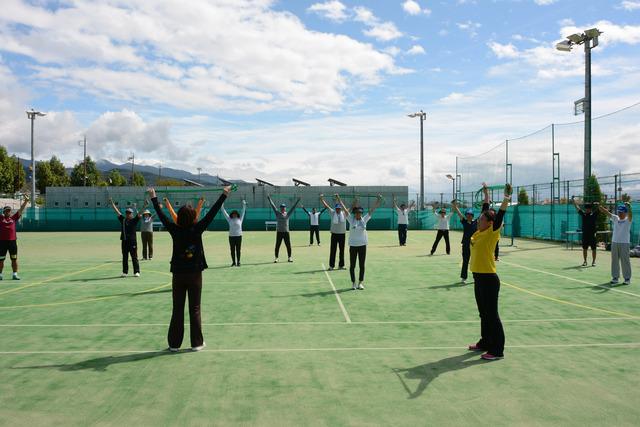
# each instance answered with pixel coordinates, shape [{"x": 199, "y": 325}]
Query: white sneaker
[
  {"x": 330, "y": 269},
  {"x": 200, "y": 347},
  {"x": 290, "y": 259},
  {"x": 275, "y": 261},
  {"x": 123, "y": 275},
  {"x": 353, "y": 286},
  {"x": 614, "y": 281},
  {"x": 360, "y": 286},
  {"x": 15, "y": 276},
  {"x": 627, "y": 282},
  {"x": 174, "y": 350},
  {"x": 463, "y": 281},
  {"x": 137, "y": 274}
]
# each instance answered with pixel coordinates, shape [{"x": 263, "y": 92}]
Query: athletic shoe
[
  {"x": 290, "y": 259},
  {"x": 15, "y": 276},
  {"x": 275, "y": 260},
  {"x": 238, "y": 265},
  {"x": 489, "y": 356},
  {"x": 593, "y": 264},
  {"x": 343, "y": 268},
  {"x": 200, "y": 347},
  {"x": 627, "y": 282},
  {"x": 584, "y": 264},
  {"x": 123, "y": 275},
  {"x": 353, "y": 286},
  {"x": 475, "y": 347},
  {"x": 361, "y": 286},
  {"x": 233, "y": 264},
  {"x": 0, "y": 276},
  {"x": 318, "y": 243},
  {"x": 463, "y": 281},
  {"x": 330, "y": 268},
  {"x": 431, "y": 254},
  {"x": 614, "y": 281},
  {"x": 137, "y": 275},
  {"x": 497, "y": 259},
  {"x": 150, "y": 258},
  {"x": 173, "y": 349}
]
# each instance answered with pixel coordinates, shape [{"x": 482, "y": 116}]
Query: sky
[{"x": 316, "y": 89}]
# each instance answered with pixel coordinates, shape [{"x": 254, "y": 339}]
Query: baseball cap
[
  {"x": 338, "y": 206},
  {"x": 129, "y": 210},
  {"x": 469, "y": 212},
  {"x": 6, "y": 208},
  {"x": 622, "y": 208},
  {"x": 283, "y": 205}
]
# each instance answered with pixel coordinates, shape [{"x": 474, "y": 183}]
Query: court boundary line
[
  {"x": 608, "y": 288},
  {"x": 321, "y": 349},
  {"x": 347, "y": 318},
  {"x": 374, "y": 322}
]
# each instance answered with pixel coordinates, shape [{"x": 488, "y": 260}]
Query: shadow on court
[
  {"x": 101, "y": 364},
  {"x": 575, "y": 267},
  {"x": 430, "y": 371},
  {"x": 315, "y": 294},
  {"x": 94, "y": 279},
  {"x": 309, "y": 272},
  {"x": 446, "y": 287},
  {"x": 600, "y": 289}
]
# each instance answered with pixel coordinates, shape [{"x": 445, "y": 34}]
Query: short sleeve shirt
[
  {"x": 588, "y": 223},
  {"x": 483, "y": 244},
  {"x": 358, "y": 230},
  {"x": 8, "y": 227},
  {"x": 621, "y": 229},
  {"x": 468, "y": 228}
]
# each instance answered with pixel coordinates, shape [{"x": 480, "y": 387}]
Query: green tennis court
[{"x": 291, "y": 344}]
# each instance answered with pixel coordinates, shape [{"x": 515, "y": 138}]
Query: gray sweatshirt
[{"x": 283, "y": 219}]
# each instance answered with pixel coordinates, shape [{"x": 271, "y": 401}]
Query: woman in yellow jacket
[{"x": 487, "y": 282}]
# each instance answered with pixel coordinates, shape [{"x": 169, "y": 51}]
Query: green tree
[
  {"x": 59, "y": 172},
  {"x": 625, "y": 198},
  {"x": 44, "y": 177},
  {"x": 169, "y": 182},
  {"x": 593, "y": 194},
  {"x": 51, "y": 173},
  {"x": 12, "y": 175},
  {"x": 523, "y": 197},
  {"x": 116, "y": 179},
  {"x": 138, "y": 180},
  {"x": 19, "y": 176},
  {"x": 93, "y": 174}
]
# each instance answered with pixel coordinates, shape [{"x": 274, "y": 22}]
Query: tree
[
  {"x": 169, "y": 182},
  {"x": 625, "y": 198},
  {"x": 12, "y": 176},
  {"x": 138, "y": 180},
  {"x": 51, "y": 173},
  {"x": 93, "y": 174},
  {"x": 59, "y": 172},
  {"x": 593, "y": 194},
  {"x": 116, "y": 179},
  {"x": 44, "y": 177},
  {"x": 523, "y": 197},
  {"x": 19, "y": 177}
]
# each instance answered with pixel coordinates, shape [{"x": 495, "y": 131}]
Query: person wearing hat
[
  {"x": 358, "y": 239},
  {"x": 314, "y": 223},
  {"x": 282, "y": 227},
  {"x": 589, "y": 228},
  {"x": 129, "y": 244},
  {"x": 146, "y": 234},
  {"x": 403, "y": 221},
  {"x": 8, "y": 237},
  {"x": 469, "y": 227},
  {"x": 235, "y": 232},
  {"x": 620, "y": 242},
  {"x": 338, "y": 233},
  {"x": 443, "y": 230}
]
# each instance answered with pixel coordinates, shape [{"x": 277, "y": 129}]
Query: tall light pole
[
  {"x": 589, "y": 39},
  {"x": 453, "y": 180},
  {"x": 422, "y": 115},
  {"x": 199, "y": 170},
  {"x": 133, "y": 162},
  {"x": 31, "y": 115},
  {"x": 159, "y": 169},
  {"x": 84, "y": 161}
]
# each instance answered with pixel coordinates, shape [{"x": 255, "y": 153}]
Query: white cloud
[
  {"x": 232, "y": 55},
  {"x": 630, "y": 5},
  {"x": 392, "y": 50},
  {"x": 383, "y": 31},
  {"x": 470, "y": 27},
  {"x": 613, "y": 33},
  {"x": 544, "y": 2},
  {"x": 503, "y": 50},
  {"x": 455, "y": 98},
  {"x": 412, "y": 7},
  {"x": 416, "y": 50},
  {"x": 333, "y": 10}
]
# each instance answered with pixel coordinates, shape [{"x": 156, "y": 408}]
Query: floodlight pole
[
  {"x": 587, "y": 114},
  {"x": 31, "y": 115},
  {"x": 84, "y": 160},
  {"x": 422, "y": 115}
]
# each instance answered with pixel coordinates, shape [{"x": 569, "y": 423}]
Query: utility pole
[
  {"x": 31, "y": 115},
  {"x": 133, "y": 162}
]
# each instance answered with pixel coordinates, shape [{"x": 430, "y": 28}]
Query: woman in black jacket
[{"x": 187, "y": 263}]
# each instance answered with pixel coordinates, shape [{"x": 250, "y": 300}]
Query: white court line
[
  {"x": 323, "y": 349},
  {"x": 335, "y": 292},
  {"x": 373, "y": 322},
  {"x": 571, "y": 278}
]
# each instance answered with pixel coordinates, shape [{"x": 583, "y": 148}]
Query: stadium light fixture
[
  {"x": 589, "y": 38},
  {"x": 31, "y": 115},
  {"x": 422, "y": 115}
]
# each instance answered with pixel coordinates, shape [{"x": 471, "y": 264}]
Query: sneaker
[
  {"x": 593, "y": 264},
  {"x": 150, "y": 258},
  {"x": 584, "y": 264},
  {"x": 15, "y": 276},
  {"x": 233, "y": 264},
  {"x": 330, "y": 268},
  {"x": 614, "y": 281},
  {"x": 361, "y": 286},
  {"x": 137, "y": 275},
  {"x": 238, "y": 264},
  {"x": 173, "y": 349},
  {"x": 123, "y": 275},
  {"x": 475, "y": 347},
  {"x": 497, "y": 259},
  {"x": 0, "y": 276},
  {"x": 290, "y": 259},
  {"x": 489, "y": 356},
  {"x": 353, "y": 286},
  {"x": 275, "y": 261},
  {"x": 463, "y": 281},
  {"x": 200, "y": 347},
  {"x": 343, "y": 268},
  {"x": 627, "y": 282}
]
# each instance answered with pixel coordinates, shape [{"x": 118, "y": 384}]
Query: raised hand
[
  {"x": 226, "y": 190},
  {"x": 152, "y": 193}
]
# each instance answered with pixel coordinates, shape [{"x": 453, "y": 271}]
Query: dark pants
[
  {"x": 337, "y": 243},
  {"x": 130, "y": 247},
  {"x": 280, "y": 236},
  {"x": 183, "y": 284},
  {"x": 359, "y": 252},
  {"x": 466, "y": 255},
  {"x": 235, "y": 244},
  {"x": 487, "y": 288},
  {"x": 147, "y": 244},
  {"x": 402, "y": 234},
  {"x": 315, "y": 229},
  {"x": 440, "y": 235},
  {"x": 496, "y": 252}
]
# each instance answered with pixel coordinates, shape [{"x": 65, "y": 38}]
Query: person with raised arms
[
  {"x": 128, "y": 239},
  {"x": 282, "y": 227},
  {"x": 235, "y": 232},
  {"x": 9, "y": 238},
  {"x": 403, "y": 221},
  {"x": 338, "y": 233},
  {"x": 146, "y": 234},
  {"x": 589, "y": 228},
  {"x": 620, "y": 242},
  {"x": 314, "y": 224},
  {"x": 443, "y": 230},
  {"x": 358, "y": 239},
  {"x": 187, "y": 263}
]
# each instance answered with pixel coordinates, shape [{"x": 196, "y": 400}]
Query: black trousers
[
  {"x": 186, "y": 284},
  {"x": 280, "y": 236},
  {"x": 147, "y": 244},
  {"x": 337, "y": 243},
  {"x": 235, "y": 244},
  {"x": 130, "y": 247},
  {"x": 466, "y": 256},
  {"x": 359, "y": 253},
  {"x": 440, "y": 235},
  {"x": 315, "y": 229},
  {"x": 487, "y": 288},
  {"x": 402, "y": 233}
]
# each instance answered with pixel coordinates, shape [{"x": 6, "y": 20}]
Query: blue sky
[{"x": 313, "y": 89}]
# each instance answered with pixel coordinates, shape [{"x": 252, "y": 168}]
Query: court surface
[{"x": 291, "y": 344}]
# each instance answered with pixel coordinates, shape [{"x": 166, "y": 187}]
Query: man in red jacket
[{"x": 8, "y": 237}]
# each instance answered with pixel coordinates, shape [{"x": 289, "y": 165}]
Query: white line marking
[
  {"x": 373, "y": 322},
  {"x": 571, "y": 278},
  {"x": 335, "y": 292},
  {"x": 319, "y": 349}
]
